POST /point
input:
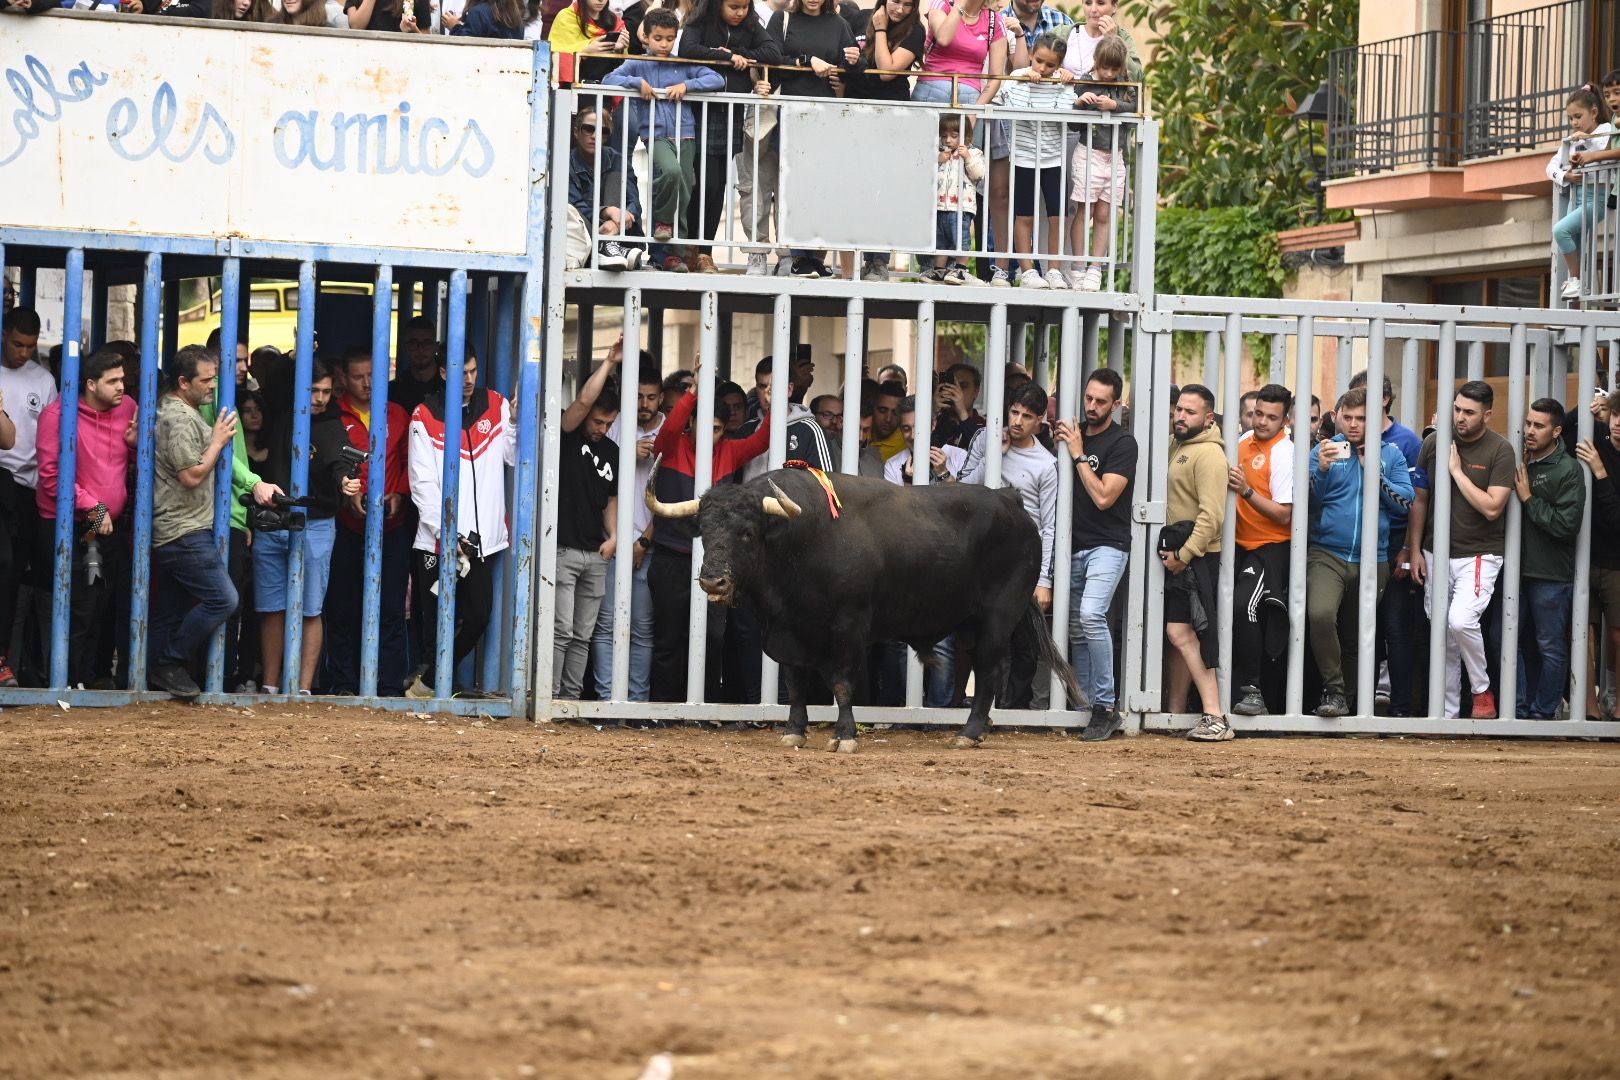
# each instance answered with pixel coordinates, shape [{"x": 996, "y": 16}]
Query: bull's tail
[{"x": 1049, "y": 651}]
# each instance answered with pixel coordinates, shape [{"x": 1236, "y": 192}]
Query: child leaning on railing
[{"x": 1587, "y": 142}]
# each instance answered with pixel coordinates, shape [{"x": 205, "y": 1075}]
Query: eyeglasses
[
  {"x": 589, "y": 129},
  {"x": 828, "y": 414}
]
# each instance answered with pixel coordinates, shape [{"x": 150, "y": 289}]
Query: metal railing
[
  {"x": 1522, "y": 68},
  {"x": 1590, "y": 203},
  {"x": 1391, "y": 105},
  {"x": 763, "y": 184}
]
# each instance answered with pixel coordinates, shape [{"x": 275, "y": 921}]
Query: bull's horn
[
  {"x": 686, "y": 509},
  {"x": 781, "y": 505}
]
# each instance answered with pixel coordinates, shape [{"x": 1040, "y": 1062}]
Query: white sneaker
[
  {"x": 1054, "y": 279},
  {"x": 1077, "y": 279},
  {"x": 1031, "y": 279},
  {"x": 610, "y": 256},
  {"x": 1091, "y": 279},
  {"x": 999, "y": 278},
  {"x": 756, "y": 264},
  {"x": 958, "y": 275},
  {"x": 1571, "y": 289}
]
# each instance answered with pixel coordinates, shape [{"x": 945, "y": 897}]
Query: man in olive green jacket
[
  {"x": 1189, "y": 547},
  {"x": 1552, "y": 496}
]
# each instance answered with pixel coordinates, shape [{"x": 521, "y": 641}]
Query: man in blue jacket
[{"x": 1333, "y": 570}]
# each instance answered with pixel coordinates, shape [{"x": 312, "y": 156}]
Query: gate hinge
[{"x": 1148, "y": 513}]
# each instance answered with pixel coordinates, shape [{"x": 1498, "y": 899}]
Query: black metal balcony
[{"x": 1392, "y": 105}]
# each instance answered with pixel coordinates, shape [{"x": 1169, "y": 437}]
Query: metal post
[
  {"x": 292, "y": 634},
  {"x": 1068, "y": 393},
  {"x": 1583, "y": 540},
  {"x": 1440, "y": 516},
  {"x": 1411, "y": 386},
  {"x": 1507, "y": 682},
  {"x": 230, "y": 293},
  {"x": 1372, "y": 445},
  {"x": 1299, "y": 520},
  {"x": 1279, "y": 359},
  {"x": 923, "y": 390},
  {"x": 995, "y": 405},
  {"x": 1341, "y": 375},
  {"x": 781, "y": 365},
  {"x": 145, "y": 464},
  {"x": 624, "y": 552},
  {"x": 450, "y": 491},
  {"x": 1476, "y": 360},
  {"x": 697, "y": 627},
  {"x": 849, "y": 458},
  {"x": 376, "y": 483},
  {"x": 501, "y": 335},
  {"x": 1231, "y": 428},
  {"x": 68, "y": 430}
]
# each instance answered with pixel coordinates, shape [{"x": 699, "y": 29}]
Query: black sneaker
[
  {"x": 1251, "y": 703},
  {"x": 1104, "y": 723},
  {"x": 610, "y": 256},
  {"x": 1333, "y": 704},
  {"x": 823, "y": 270},
  {"x": 806, "y": 267},
  {"x": 173, "y": 680},
  {"x": 934, "y": 274}
]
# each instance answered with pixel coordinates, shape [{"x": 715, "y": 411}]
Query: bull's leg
[
  {"x": 989, "y": 676},
  {"x": 798, "y": 714},
  {"x": 843, "y": 688}
]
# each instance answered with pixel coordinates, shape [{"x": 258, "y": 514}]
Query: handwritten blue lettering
[
  {"x": 47, "y": 104},
  {"x": 212, "y": 135},
  {"x": 368, "y": 143}
]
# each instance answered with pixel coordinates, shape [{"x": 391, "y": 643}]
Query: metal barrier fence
[
  {"x": 1590, "y": 199},
  {"x": 763, "y": 182}
]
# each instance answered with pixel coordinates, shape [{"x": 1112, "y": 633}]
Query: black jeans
[
  {"x": 23, "y": 512},
  {"x": 670, "y": 580},
  {"x": 92, "y": 602},
  {"x": 475, "y": 595},
  {"x": 344, "y": 610}
]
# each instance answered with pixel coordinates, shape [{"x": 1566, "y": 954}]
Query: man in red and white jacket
[
  {"x": 344, "y": 598},
  {"x": 488, "y": 447}
]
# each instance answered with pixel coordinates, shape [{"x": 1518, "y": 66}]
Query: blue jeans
[
  {"x": 939, "y": 680},
  {"x": 953, "y": 231},
  {"x": 1543, "y": 671},
  {"x": 1096, "y": 573},
  {"x": 641, "y": 636},
  {"x": 194, "y": 566},
  {"x": 1584, "y": 206}
]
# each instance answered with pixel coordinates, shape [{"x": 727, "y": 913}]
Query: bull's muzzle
[{"x": 721, "y": 590}]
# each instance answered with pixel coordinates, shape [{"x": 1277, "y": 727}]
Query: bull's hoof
[
  {"x": 840, "y": 746},
  {"x": 793, "y": 742},
  {"x": 962, "y": 742}
]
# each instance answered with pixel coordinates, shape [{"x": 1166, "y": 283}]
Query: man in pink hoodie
[{"x": 106, "y": 437}]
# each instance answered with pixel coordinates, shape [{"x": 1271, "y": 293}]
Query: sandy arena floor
[{"x": 319, "y": 892}]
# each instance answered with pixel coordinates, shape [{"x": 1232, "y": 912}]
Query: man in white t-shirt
[
  {"x": 649, "y": 421},
  {"x": 26, "y": 388}
]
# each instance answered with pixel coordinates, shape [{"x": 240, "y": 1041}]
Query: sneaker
[
  {"x": 1031, "y": 279},
  {"x": 663, "y": 231},
  {"x": 173, "y": 680},
  {"x": 7, "y": 676},
  {"x": 1000, "y": 279},
  {"x": 1077, "y": 279},
  {"x": 1211, "y": 728},
  {"x": 784, "y": 267},
  {"x": 1250, "y": 703},
  {"x": 699, "y": 262},
  {"x": 958, "y": 275},
  {"x": 1484, "y": 706},
  {"x": 756, "y": 264},
  {"x": 1333, "y": 704},
  {"x": 1090, "y": 279},
  {"x": 418, "y": 690},
  {"x": 247, "y": 687},
  {"x": 823, "y": 270},
  {"x": 1571, "y": 289},
  {"x": 806, "y": 267},
  {"x": 1102, "y": 726},
  {"x": 875, "y": 270},
  {"x": 1055, "y": 279},
  {"x": 674, "y": 264},
  {"x": 610, "y": 256},
  {"x": 936, "y": 275}
]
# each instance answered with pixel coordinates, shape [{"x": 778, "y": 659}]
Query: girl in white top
[{"x": 1590, "y": 133}]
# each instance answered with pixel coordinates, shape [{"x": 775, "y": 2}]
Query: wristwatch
[{"x": 643, "y": 543}]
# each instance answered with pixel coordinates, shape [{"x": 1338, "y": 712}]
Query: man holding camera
[
  {"x": 488, "y": 444},
  {"x": 333, "y": 475},
  {"x": 183, "y": 550}
]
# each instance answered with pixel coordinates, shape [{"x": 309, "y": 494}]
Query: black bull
[{"x": 909, "y": 564}]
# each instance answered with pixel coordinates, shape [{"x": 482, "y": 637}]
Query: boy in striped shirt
[{"x": 1037, "y": 155}]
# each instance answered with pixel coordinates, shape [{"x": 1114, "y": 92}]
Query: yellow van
[{"x": 273, "y": 307}]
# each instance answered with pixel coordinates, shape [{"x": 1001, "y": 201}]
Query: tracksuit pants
[{"x": 1472, "y": 582}]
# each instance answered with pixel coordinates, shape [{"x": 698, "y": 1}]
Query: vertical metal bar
[
  {"x": 1411, "y": 386},
  {"x": 1299, "y": 520},
  {"x": 1476, "y": 360},
  {"x": 1583, "y": 541},
  {"x": 1231, "y": 419},
  {"x": 1278, "y": 370},
  {"x": 230, "y": 293},
  {"x": 500, "y": 338},
  {"x": 995, "y": 406},
  {"x": 303, "y": 374},
  {"x": 624, "y": 553},
  {"x": 702, "y": 477},
  {"x": 1371, "y": 488},
  {"x": 849, "y": 458},
  {"x": 1440, "y": 515},
  {"x": 1068, "y": 393},
  {"x": 1144, "y": 259},
  {"x": 450, "y": 492},
  {"x": 68, "y": 430},
  {"x": 781, "y": 366},
  {"x": 1341, "y": 375},
  {"x": 1507, "y": 682},
  {"x": 1144, "y": 633},
  {"x": 923, "y": 390},
  {"x": 376, "y": 483},
  {"x": 525, "y": 485},
  {"x": 145, "y": 465}
]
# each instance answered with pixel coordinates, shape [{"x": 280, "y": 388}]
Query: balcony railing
[
  {"x": 1391, "y": 106},
  {"x": 1598, "y": 257},
  {"x": 1522, "y": 68}
]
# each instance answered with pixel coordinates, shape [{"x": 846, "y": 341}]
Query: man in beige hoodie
[{"x": 1196, "y": 502}]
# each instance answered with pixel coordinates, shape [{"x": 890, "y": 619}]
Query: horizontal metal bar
[
  {"x": 108, "y": 699},
  {"x": 1176, "y": 304},
  {"x": 1396, "y": 725}
]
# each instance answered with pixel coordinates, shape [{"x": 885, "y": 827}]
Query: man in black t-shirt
[
  {"x": 587, "y": 509},
  {"x": 1104, "y": 461}
]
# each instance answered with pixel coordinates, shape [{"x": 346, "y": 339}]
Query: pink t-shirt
[{"x": 969, "y": 50}]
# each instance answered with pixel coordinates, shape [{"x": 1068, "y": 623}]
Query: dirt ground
[{"x": 319, "y": 892}]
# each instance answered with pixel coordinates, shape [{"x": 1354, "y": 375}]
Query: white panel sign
[{"x": 149, "y": 126}]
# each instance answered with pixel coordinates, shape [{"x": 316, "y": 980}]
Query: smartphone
[{"x": 423, "y": 11}]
